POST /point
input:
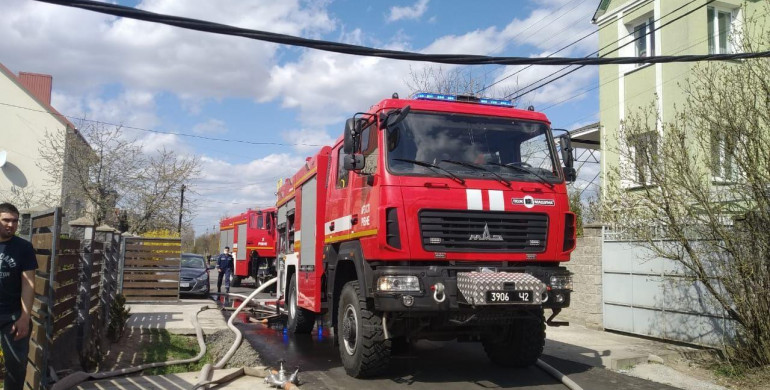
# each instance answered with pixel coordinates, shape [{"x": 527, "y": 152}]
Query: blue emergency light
[{"x": 462, "y": 99}]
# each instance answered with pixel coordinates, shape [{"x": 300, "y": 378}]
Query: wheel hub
[{"x": 349, "y": 329}]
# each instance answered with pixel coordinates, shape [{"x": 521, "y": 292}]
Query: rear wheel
[
  {"x": 363, "y": 349},
  {"x": 519, "y": 344},
  {"x": 300, "y": 320},
  {"x": 237, "y": 281}
]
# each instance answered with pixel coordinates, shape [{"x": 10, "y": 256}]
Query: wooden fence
[
  {"x": 150, "y": 269},
  {"x": 76, "y": 283},
  {"x": 54, "y": 312}
]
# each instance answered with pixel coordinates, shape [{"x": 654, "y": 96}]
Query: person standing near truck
[
  {"x": 17, "y": 290},
  {"x": 225, "y": 269}
]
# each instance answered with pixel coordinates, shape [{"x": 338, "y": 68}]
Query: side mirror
[
  {"x": 354, "y": 162},
  {"x": 351, "y": 133},
  {"x": 566, "y": 151}
]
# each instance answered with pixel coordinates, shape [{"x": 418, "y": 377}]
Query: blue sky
[{"x": 170, "y": 80}]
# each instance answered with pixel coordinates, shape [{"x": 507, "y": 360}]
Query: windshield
[
  {"x": 472, "y": 146},
  {"x": 193, "y": 262}
]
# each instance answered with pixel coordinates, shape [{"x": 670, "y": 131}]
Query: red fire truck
[
  {"x": 438, "y": 217},
  {"x": 251, "y": 237}
]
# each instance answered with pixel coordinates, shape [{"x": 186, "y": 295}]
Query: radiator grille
[{"x": 482, "y": 231}]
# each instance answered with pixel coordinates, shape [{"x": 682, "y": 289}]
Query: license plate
[
  {"x": 184, "y": 284},
  {"x": 509, "y": 296}
]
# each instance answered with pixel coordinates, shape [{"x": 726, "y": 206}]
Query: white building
[{"x": 26, "y": 116}]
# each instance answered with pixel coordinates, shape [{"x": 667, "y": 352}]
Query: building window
[
  {"x": 644, "y": 38},
  {"x": 720, "y": 26},
  {"x": 644, "y": 152},
  {"x": 723, "y": 166}
]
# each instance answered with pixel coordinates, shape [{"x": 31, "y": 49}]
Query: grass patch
[
  {"x": 164, "y": 346},
  {"x": 729, "y": 370}
]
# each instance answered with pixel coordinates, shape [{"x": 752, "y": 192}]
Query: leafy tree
[{"x": 705, "y": 202}]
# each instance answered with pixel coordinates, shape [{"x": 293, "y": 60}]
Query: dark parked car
[{"x": 194, "y": 276}]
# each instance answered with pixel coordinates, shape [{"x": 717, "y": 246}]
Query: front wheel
[
  {"x": 237, "y": 281},
  {"x": 363, "y": 349},
  {"x": 300, "y": 320}
]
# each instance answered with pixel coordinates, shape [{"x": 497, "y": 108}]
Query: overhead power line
[
  {"x": 343, "y": 48},
  {"x": 575, "y": 42},
  {"x": 655, "y": 28},
  {"x": 159, "y": 131}
]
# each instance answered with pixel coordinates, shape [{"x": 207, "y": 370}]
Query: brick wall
[{"x": 586, "y": 266}]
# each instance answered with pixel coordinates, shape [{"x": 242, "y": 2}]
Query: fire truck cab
[
  {"x": 251, "y": 236},
  {"x": 439, "y": 217}
]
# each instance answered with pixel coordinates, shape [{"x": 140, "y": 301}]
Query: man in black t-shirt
[{"x": 17, "y": 290}]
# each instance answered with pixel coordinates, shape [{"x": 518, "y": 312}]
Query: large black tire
[
  {"x": 520, "y": 344},
  {"x": 363, "y": 349},
  {"x": 300, "y": 321},
  {"x": 237, "y": 281}
]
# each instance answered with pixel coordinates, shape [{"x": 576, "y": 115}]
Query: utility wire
[
  {"x": 572, "y": 44},
  {"x": 616, "y": 78},
  {"x": 335, "y": 47},
  {"x": 529, "y": 26},
  {"x": 159, "y": 131},
  {"x": 550, "y": 55},
  {"x": 656, "y": 28}
]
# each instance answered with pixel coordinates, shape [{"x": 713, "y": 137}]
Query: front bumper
[
  {"x": 194, "y": 286},
  {"x": 426, "y": 300}
]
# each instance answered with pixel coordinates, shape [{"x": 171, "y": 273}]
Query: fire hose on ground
[
  {"x": 275, "y": 378},
  {"x": 76, "y": 378},
  {"x": 271, "y": 376}
]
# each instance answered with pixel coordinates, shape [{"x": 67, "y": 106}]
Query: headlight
[
  {"x": 398, "y": 283},
  {"x": 561, "y": 282},
  {"x": 201, "y": 276}
]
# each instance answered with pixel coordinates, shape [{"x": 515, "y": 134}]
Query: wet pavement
[{"x": 428, "y": 365}]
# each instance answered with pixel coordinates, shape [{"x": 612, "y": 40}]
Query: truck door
[
  {"x": 364, "y": 202},
  {"x": 337, "y": 221}
]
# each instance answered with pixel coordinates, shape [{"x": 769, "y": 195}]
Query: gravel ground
[{"x": 220, "y": 342}]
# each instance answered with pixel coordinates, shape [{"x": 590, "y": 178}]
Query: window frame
[
  {"x": 341, "y": 171},
  {"x": 723, "y": 166},
  {"x": 648, "y": 23},
  {"x": 640, "y": 170},
  {"x": 712, "y": 27}
]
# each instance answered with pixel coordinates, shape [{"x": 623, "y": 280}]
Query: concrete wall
[{"x": 586, "y": 265}]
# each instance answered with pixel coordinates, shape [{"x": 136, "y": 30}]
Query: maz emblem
[{"x": 485, "y": 236}]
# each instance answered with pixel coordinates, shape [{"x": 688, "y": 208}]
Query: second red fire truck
[
  {"x": 439, "y": 217},
  {"x": 251, "y": 237}
]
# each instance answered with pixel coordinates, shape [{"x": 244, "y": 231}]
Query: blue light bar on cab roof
[{"x": 462, "y": 99}]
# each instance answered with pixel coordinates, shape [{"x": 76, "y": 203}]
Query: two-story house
[
  {"x": 641, "y": 28},
  {"x": 643, "y": 292},
  {"x": 28, "y": 121}
]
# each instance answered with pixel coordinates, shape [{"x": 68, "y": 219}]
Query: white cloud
[
  {"x": 525, "y": 78},
  {"x": 211, "y": 126},
  {"x": 153, "y": 57},
  {"x": 136, "y": 108},
  {"x": 412, "y": 12},
  {"x": 328, "y": 87},
  {"x": 557, "y": 22},
  {"x": 154, "y": 142},
  {"x": 309, "y": 140},
  {"x": 228, "y": 189}
]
